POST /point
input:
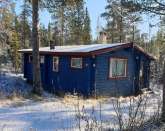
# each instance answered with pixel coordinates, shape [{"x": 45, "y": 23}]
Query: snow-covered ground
[
  {"x": 54, "y": 113},
  {"x": 12, "y": 84}
]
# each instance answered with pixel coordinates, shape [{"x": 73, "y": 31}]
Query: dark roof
[{"x": 87, "y": 50}]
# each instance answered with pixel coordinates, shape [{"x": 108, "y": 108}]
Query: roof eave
[
  {"x": 106, "y": 50},
  {"x": 97, "y": 52},
  {"x": 60, "y": 53},
  {"x": 91, "y": 53},
  {"x": 151, "y": 57}
]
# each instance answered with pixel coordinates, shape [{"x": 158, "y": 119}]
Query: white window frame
[
  {"x": 42, "y": 59},
  {"x": 55, "y": 68},
  {"x": 77, "y": 58},
  {"x": 30, "y": 59},
  {"x": 110, "y": 67}
]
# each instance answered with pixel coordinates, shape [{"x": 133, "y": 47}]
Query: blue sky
[{"x": 95, "y": 7}]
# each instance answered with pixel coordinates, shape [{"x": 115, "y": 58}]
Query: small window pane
[
  {"x": 42, "y": 59},
  {"x": 55, "y": 64},
  {"x": 113, "y": 67},
  {"x": 76, "y": 62},
  {"x": 30, "y": 58},
  {"x": 118, "y": 67}
]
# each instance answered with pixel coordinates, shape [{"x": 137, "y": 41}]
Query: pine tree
[
  {"x": 37, "y": 87},
  {"x": 119, "y": 20},
  {"x": 7, "y": 26},
  {"x": 68, "y": 18},
  {"x": 76, "y": 23},
  {"x": 6, "y": 22},
  {"x": 112, "y": 21},
  {"x": 58, "y": 14}
]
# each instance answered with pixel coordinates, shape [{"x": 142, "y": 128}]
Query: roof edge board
[{"x": 98, "y": 51}]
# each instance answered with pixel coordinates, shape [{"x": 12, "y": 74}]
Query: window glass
[
  {"x": 30, "y": 58},
  {"x": 55, "y": 64},
  {"x": 42, "y": 59},
  {"x": 76, "y": 62},
  {"x": 118, "y": 67}
]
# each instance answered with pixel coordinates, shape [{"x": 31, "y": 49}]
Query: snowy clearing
[
  {"x": 12, "y": 84},
  {"x": 69, "y": 113}
]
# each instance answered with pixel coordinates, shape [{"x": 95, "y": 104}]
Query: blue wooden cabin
[{"x": 97, "y": 69}]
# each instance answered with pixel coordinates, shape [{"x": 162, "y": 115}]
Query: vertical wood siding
[
  {"x": 125, "y": 86},
  {"x": 66, "y": 79}
]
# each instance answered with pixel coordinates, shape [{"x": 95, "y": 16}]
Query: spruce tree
[
  {"x": 15, "y": 46},
  {"x": 86, "y": 29},
  {"x": 49, "y": 32},
  {"x": 43, "y": 35},
  {"x": 25, "y": 27}
]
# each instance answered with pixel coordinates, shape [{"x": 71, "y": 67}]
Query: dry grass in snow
[{"x": 74, "y": 113}]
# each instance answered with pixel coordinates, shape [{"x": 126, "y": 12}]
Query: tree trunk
[
  {"x": 23, "y": 35},
  {"x": 121, "y": 29},
  {"x": 121, "y": 24},
  {"x": 133, "y": 33},
  {"x": 163, "y": 106},
  {"x": 78, "y": 24},
  {"x": 35, "y": 44},
  {"x": 113, "y": 27},
  {"x": 62, "y": 25}
]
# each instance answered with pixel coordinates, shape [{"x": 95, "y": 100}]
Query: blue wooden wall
[
  {"x": 112, "y": 87},
  {"x": 67, "y": 79},
  {"x": 124, "y": 86}
]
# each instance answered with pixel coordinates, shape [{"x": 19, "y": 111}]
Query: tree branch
[{"x": 161, "y": 4}]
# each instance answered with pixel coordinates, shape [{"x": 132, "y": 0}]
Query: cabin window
[
  {"x": 118, "y": 68},
  {"x": 55, "y": 64},
  {"x": 30, "y": 58},
  {"x": 76, "y": 63},
  {"x": 42, "y": 59}
]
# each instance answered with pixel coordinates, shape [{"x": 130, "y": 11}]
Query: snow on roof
[
  {"x": 85, "y": 49},
  {"x": 75, "y": 48}
]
